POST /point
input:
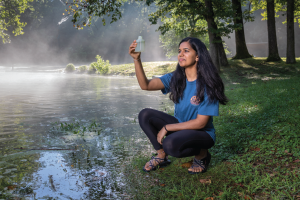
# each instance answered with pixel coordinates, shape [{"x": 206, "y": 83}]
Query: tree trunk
[
  {"x": 240, "y": 42},
  {"x": 212, "y": 26},
  {"x": 213, "y": 48},
  {"x": 221, "y": 52},
  {"x": 290, "y": 49},
  {"x": 272, "y": 39}
]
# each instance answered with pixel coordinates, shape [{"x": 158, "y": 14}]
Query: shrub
[
  {"x": 102, "y": 66},
  {"x": 93, "y": 68},
  {"x": 82, "y": 68},
  {"x": 70, "y": 68}
]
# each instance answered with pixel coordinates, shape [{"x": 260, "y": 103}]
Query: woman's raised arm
[{"x": 145, "y": 84}]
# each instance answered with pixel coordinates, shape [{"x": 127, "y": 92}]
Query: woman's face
[{"x": 187, "y": 56}]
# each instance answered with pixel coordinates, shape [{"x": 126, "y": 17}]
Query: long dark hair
[{"x": 208, "y": 79}]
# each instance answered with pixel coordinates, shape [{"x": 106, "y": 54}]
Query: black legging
[{"x": 178, "y": 144}]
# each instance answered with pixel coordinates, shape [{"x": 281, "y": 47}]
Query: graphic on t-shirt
[{"x": 195, "y": 101}]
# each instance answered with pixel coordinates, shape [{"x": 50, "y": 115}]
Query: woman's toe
[{"x": 147, "y": 166}]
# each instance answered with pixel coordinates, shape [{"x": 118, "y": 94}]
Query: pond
[{"x": 37, "y": 162}]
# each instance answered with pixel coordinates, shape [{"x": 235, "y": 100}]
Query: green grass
[
  {"x": 257, "y": 152},
  {"x": 150, "y": 68}
]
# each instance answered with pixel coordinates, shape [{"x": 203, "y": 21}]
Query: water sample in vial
[{"x": 140, "y": 44}]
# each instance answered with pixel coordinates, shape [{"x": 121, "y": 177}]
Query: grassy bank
[
  {"x": 150, "y": 68},
  {"x": 257, "y": 152}
]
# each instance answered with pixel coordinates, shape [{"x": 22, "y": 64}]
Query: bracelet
[
  {"x": 137, "y": 59},
  {"x": 166, "y": 128}
]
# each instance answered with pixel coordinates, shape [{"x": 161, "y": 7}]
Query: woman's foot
[
  {"x": 200, "y": 163},
  {"x": 159, "y": 160}
]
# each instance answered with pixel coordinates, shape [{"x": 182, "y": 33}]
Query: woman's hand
[
  {"x": 161, "y": 134},
  {"x": 134, "y": 55}
]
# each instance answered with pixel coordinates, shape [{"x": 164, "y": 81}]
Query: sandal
[
  {"x": 203, "y": 163},
  {"x": 161, "y": 163}
]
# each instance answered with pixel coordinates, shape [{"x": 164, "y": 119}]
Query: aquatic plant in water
[{"x": 76, "y": 127}]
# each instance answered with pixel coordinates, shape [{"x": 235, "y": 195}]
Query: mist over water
[{"x": 53, "y": 41}]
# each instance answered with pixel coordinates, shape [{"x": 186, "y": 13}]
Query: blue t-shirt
[{"x": 188, "y": 107}]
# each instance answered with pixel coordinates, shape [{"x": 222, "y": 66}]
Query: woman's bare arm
[
  {"x": 145, "y": 84},
  {"x": 194, "y": 124},
  {"x": 198, "y": 123}
]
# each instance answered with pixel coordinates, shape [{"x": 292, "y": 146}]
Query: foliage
[
  {"x": 82, "y": 68},
  {"x": 280, "y": 7},
  {"x": 102, "y": 66},
  {"x": 191, "y": 16},
  {"x": 11, "y": 11},
  {"x": 70, "y": 67},
  {"x": 256, "y": 155},
  {"x": 83, "y": 10},
  {"x": 170, "y": 41},
  {"x": 92, "y": 69}
]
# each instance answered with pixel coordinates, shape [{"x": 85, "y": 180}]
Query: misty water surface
[{"x": 29, "y": 105}]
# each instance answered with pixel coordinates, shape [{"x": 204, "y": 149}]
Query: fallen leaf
[
  {"x": 247, "y": 197},
  {"x": 296, "y": 160},
  {"x": 187, "y": 164},
  {"x": 239, "y": 184},
  {"x": 255, "y": 148},
  {"x": 72, "y": 166},
  {"x": 287, "y": 152},
  {"x": 221, "y": 193},
  {"x": 205, "y": 181},
  {"x": 162, "y": 185},
  {"x": 209, "y": 198}
]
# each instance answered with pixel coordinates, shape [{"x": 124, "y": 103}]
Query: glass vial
[{"x": 140, "y": 44}]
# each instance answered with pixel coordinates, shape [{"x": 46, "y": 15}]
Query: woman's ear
[{"x": 197, "y": 58}]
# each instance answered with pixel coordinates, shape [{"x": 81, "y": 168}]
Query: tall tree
[
  {"x": 212, "y": 27},
  {"x": 272, "y": 39},
  {"x": 240, "y": 42},
  {"x": 290, "y": 50},
  {"x": 200, "y": 10},
  {"x": 11, "y": 11}
]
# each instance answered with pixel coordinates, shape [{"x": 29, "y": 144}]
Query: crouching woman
[{"x": 196, "y": 89}]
